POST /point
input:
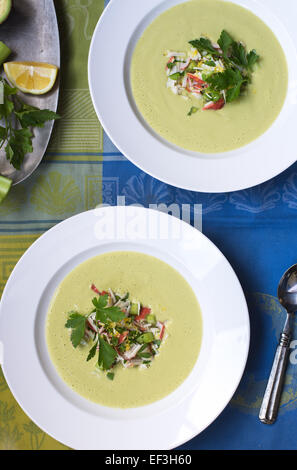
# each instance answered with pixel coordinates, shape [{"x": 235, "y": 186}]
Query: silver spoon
[{"x": 287, "y": 294}]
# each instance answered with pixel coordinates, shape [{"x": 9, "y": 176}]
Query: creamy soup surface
[
  {"x": 239, "y": 122},
  {"x": 155, "y": 284}
]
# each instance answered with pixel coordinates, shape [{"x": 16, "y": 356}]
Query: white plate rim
[
  {"x": 248, "y": 166},
  {"x": 82, "y": 415}
]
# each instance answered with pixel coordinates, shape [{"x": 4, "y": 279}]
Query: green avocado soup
[
  {"x": 208, "y": 131},
  {"x": 160, "y": 287}
]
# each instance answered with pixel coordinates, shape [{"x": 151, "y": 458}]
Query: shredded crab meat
[
  {"x": 185, "y": 75},
  {"x": 132, "y": 351},
  {"x": 176, "y": 54}
]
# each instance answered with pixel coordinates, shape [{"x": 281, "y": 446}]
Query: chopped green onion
[
  {"x": 176, "y": 76},
  {"x": 134, "y": 310},
  {"x": 193, "y": 110},
  {"x": 170, "y": 65},
  {"x": 110, "y": 375},
  {"x": 144, "y": 355},
  {"x": 151, "y": 318},
  {"x": 146, "y": 338}
]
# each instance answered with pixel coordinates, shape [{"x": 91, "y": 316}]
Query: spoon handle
[{"x": 272, "y": 396}]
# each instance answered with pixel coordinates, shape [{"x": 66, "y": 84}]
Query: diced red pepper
[
  {"x": 215, "y": 105},
  {"x": 123, "y": 336},
  {"x": 200, "y": 82},
  {"x": 94, "y": 288},
  {"x": 162, "y": 331},
  {"x": 144, "y": 312},
  {"x": 172, "y": 59}
]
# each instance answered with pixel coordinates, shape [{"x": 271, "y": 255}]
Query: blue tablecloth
[{"x": 256, "y": 229}]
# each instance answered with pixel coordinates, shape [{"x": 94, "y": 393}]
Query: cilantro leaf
[
  {"x": 107, "y": 354},
  {"x": 92, "y": 352},
  {"x": 77, "y": 323},
  {"x": 204, "y": 44}
]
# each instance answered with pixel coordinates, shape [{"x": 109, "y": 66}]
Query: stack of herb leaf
[
  {"x": 121, "y": 332},
  {"x": 218, "y": 73},
  {"x": 17, "y": 122}
]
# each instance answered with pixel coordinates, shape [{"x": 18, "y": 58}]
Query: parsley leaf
[
  {"x": 252, "y": 58},
  {"x": 19, "y": 144},
  {"x": 230, "y": 80},
  {"x": 77, "y": 323},
  {"x": 101, "y": 301},
  {"x": 35, "y": 117},
  {"x": 92, "y": 351},
  {"x": 233, "y": 92},
  {"x": 107, "y": 354},
  {"x": 223, "y": 80},
  {"x": 225, "y": 42},
  {"x": 19, "y": 118},
  {"x": 238, "y": 54},
  {"x": 103, "y": 313},
  {"x": 204, "y": 44}
]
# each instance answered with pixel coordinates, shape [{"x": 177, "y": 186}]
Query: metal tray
[{"x": 31, "y": 32}]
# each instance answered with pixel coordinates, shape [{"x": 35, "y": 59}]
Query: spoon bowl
[
  {"x": 287, "y": 289},
  {"x": 287, "y": 294}
]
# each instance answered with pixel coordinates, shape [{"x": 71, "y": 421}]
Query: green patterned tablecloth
[{"x": 68, "y": 181}]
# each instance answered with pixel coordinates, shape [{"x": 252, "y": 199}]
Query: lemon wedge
[{"x": 31, "y": 77}]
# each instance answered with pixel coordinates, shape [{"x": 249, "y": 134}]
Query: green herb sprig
[
  {"x": 116, "y": 327},
  {"x": 19, "y": 118},
  {"x": 104, "y": 314},
  {"x": 238, "y": 66}
]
